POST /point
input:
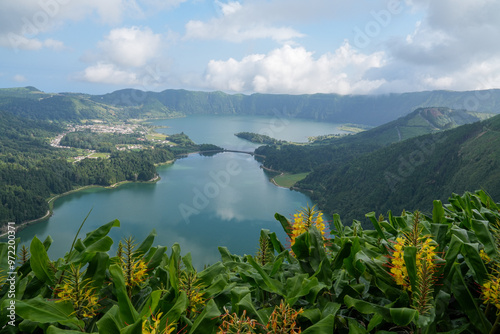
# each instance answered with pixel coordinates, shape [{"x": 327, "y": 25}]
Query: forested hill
[
  {"x": 299, "y": 159},
  {"x": 363, "y": 109},
  {"x": 129, "y": 103},
  {"x": 407, "y": 174}
]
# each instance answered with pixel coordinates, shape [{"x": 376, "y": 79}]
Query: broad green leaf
[
  {"x": 246, "y": 304},
  {"x": 127, "y": 313},
  {"x": 355, "y": 327},
  {"x": 339, "y": 227},
  {"x": 438, "y": 216},
  {"x": 96, "y": 270},
  {"x": 468, "y": 303},
  {"x": 299, "y": 286},
  {"x": 150, "y": 305},
  {"x": 454, "y": 248},
  {"x": 403, "y": 316},
  {"x": 155, "y": 259},
  {"x": 344, "y": 253},
  {"x": 40, "y": 261},
  {"x": 284, "y": 223},
  {"x": 40, "y": 310},
  {"x": 100, "y": 233},
  {"x": 110, "y": 323},
  {"x": 324, "y": 326},
  {"x": 410, "y": 257},
  {"x": 205, "y": 322},
  {"x": 375, "y": 222},
  {"x": 56, "y": 330},
  {"x": 368, "y": 308},
  {"x": 485, "y": 237},
  {"x": 146, "y": 244},
  {"x": 474, "y": 261},
  {"x": 135, "y": 328},
  {"x": 271, "y": 284},
  {"x": 439, "y": 232},
  {"x": 179, "y": 308}
]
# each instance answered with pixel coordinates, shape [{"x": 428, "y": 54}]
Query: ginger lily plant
[{"x": 413, "y": 273}]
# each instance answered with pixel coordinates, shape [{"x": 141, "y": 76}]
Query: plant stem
[{"x": 496, "y": 326}]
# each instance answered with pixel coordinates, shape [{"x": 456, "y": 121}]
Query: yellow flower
[
  {"x": 80, "y": 293},
  {"x": 484, "y": 256},
  {"x": 283, "y": 319},
  {"x": 303, "y": 220},
  {"x": 152, "y": 326},
  {"x": 189, "y": 283},
  {"x": 232, "y": 324}
]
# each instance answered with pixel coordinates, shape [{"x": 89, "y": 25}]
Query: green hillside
[
  {"x": 407, "y": 174},
  {"x": 130, "y": 103},
  {"x": 301, "y": 159}
]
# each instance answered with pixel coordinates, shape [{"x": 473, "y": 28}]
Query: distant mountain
[
  {"x": 335, "y": 151},
  {"x": 409, "y": 173},
  {"x": 130, "y": 103},
  {"x": 363, "y": 109},
  {"x": 419, "y": 122}
]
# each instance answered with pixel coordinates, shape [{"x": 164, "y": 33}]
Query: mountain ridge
[{"x": 132, "y": 103}]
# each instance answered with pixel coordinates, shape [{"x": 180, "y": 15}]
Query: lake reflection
[{"x": 201, "y": 202}]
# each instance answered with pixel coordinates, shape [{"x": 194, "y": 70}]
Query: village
[{"x": 146, "y": 136}]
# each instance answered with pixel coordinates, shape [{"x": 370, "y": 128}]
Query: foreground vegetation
[{"x": 411, "y": 274}]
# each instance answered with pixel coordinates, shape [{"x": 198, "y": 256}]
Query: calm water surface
[{"x": 200, "y": 202}]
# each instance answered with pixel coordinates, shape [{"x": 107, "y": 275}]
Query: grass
[
  {"x": 288, "y": 180},
  {"x": 99, "y": 155},
  {"x": 155, "y": 136}
]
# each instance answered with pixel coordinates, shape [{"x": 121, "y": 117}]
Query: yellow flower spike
[
  {"x": 79, "y": 292},
  {"x": 303, "y": 220}
]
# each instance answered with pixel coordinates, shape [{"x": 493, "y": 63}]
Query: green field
[{"x": 288, "y": 180}]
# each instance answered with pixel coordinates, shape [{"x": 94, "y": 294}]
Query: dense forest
[
  {"x": 258, "y": 138},
  {"x": 363, "y": 172},
  {"x": 31, "y": 170},
  {"x": 101, "y": 142}
]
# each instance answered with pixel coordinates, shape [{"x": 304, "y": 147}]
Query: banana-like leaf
[
  {"x": 481, "y": 228},
  {"x": 100, "y": 233},
  {"x": 40, "y": 310},
  {"x": 271, "y": 284},
  {"x": 96, "y": 270},
  {"x": 205, "y": 322},
  {"x": 468, "y": 303},
  {"x": 40, "y": 262},
  {"x": 56, "y": 330},
  {"x": 110, "y": 322},
  {"x": 376, "y": 224},
  {"x": 410, "y": 257},
  {"x": 128, "y": 314},
  {"x": 474, "y": 261},
  {"x": 324, "y": 326},
  {"x": 368, "y": 308}
]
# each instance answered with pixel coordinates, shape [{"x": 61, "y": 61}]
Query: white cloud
[
  {"x": 24, "y": 21},
  {"x": 19, "y": 78},
  {"x": 127, "y": 56},
  {"x": 295, "y": 70},
  {"x": 110, "y": 74},
  {"x": 238, "y": 23},
  {"x": 453, "y": 47},
  {"x": 130, "y": 46}
]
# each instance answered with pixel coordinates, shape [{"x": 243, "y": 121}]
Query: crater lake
[{"x": 200, "y": 202}]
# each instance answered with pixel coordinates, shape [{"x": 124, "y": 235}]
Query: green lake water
[{"x": 201, "y": 202}]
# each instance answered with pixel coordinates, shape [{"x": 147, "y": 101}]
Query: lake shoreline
[{"x": 51, "y": 200}]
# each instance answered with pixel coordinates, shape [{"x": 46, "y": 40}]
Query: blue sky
[{"x": 264, "y": 46}]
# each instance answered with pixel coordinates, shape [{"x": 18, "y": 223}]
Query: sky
[{"x": 250, "y": 46}]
